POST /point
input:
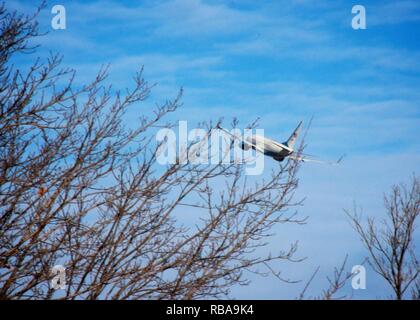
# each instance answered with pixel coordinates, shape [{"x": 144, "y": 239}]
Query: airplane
[{"x": 278, "y": 151}]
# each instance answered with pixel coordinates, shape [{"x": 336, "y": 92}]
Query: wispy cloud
[{"x": 394, "y": 12}]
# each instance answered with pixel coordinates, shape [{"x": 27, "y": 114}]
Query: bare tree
[
  {"x": 80, "y": 188},
  {"x": 415, "y": 291},
  {"x": 390, "y": 242},
  {"x": 335, "y": 284}
]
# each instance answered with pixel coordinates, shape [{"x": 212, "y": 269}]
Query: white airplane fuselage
[{"x": 269, "y": 147}]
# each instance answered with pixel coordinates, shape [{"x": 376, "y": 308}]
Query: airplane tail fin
[{"x": 291, "y": 141}]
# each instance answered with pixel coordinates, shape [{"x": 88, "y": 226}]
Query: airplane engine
[{"x": 280, "y": 159}]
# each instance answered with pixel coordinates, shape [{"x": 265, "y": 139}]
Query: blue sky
[{"x": 282, "y": 61}]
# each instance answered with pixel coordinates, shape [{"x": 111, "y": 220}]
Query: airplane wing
[
  {"x": 306, "y": 159},
  {"x": 251, "y": 145}
]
